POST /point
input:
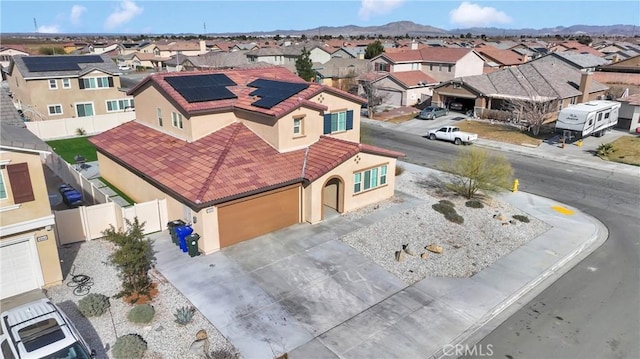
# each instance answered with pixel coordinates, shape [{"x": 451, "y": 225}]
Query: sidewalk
[
  {"x": 304, "y": 292},
  {"x": 571, "y": 155}
]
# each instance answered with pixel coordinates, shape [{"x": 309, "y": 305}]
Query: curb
[{"x": 500, "y": 313}]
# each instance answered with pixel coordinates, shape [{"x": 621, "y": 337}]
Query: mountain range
[{"x": 402, "y": 28}]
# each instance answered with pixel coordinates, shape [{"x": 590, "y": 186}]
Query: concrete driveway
[{"x": 277, "y": 292}]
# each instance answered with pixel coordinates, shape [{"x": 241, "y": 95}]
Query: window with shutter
[{"x": 20, "y": 183}]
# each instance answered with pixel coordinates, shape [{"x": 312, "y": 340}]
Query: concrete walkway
[{"x": 302, "y": 291}]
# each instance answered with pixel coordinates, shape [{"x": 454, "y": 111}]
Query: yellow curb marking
[{"x": 563, "y": 210}]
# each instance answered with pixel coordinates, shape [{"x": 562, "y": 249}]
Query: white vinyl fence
[
  {"x": 68, "y": 127},
  {"x": 88, "y": 222},
  {"x": 72, "y": 174}
]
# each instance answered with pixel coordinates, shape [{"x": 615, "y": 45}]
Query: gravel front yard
[
  {"x": 467, "y": 248},
  {"x": 164, "y": 337}
]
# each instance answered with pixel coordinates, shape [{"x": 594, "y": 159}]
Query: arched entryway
[{"x": 332, "y": 198}]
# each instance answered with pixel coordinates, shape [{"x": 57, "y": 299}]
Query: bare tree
[{"x": 533, "y": 111}]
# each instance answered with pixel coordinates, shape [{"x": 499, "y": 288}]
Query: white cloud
[
  {"x": 48, "y": 29},
  {"x": 124, "y": 13},
  {"x": 76, "y": 13},
  {"x": 473, "y": 15},
  {"x": 370, "y": 8}
]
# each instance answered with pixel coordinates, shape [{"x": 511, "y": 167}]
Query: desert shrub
[
  {"x": 478, "y": 170},
  {"x": 81, "y": 131},
  {"x": 521, "y": 218},
  {"x": 94, "y": 305},
  {"x": 399, "y": 170},
  {"x": 446, "y": 202},
  {"x": 474, "y": 204},
  {"x": 225, "y": 354},
  {"x": 130, "y": 346},
  {"x": 141, "y": 313},
  {"x": 443, "y": 208},
  {"x": 184, "y": 315},
  {"x": 605, "y": 149},
  {"x": 454, "y": 217}
]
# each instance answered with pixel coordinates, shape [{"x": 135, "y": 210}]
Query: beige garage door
[
  {"x": 19, "y": 268},
  {"x": 245, "y": 219}
]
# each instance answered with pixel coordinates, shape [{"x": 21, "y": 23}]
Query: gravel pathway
[
  {"x": 467, "y": 248},
  {"x": 164, "y": 337}
]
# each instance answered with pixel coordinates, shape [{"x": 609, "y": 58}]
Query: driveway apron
[{"x": 274, "y": 293}]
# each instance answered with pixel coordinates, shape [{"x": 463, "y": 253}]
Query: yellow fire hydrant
[
  {"x": 516, "y": 183},
  {"x": 579, "y": 143}
]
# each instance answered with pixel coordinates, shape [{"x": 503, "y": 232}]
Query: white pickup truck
[{"x": 452, "y": 134}]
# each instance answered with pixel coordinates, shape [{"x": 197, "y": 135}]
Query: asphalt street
[{"x": 590, "y": 312}]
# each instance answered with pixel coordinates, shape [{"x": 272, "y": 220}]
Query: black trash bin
[
  {"x": 172, "y": 229},
  {"x": 192, "y": 244}
]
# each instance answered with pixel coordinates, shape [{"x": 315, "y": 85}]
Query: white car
[{"x": 39, "y": 329}]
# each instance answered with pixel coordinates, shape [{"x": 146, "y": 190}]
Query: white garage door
[{"x": 19, "y": 268}]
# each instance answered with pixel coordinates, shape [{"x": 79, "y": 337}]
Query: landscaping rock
[
  {"x": 409, "y": 249},
  {"x": 400, "y": 256},
  {"x": 424, "y": 255},
  {"x": 434, "y": 248},
  {"x": 500, "y": 217}
]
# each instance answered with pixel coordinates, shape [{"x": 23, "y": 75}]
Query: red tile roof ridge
[
  {"x": 219, "y": 162},
  {"x": 380, "y": 151}
]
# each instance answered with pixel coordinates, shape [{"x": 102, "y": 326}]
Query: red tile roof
[
  {"x": 413, "y": 78},
  {"x": 230, "y": 163},
  {"x": 243, "y": 101},
  {"x": 502, "y": 57}
]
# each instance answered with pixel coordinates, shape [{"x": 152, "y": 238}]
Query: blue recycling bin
[{"x": 182, "y": 232}]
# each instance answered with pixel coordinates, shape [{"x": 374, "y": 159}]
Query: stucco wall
[
  {"x": 30, "y": 217},
  {"x": 406, "y": 67},
  {"x": 148, "y": 100},
  {"x": 126, "y": 181},
  {"x": 335, "y": 103},
  {"x": 469, "y": 65},
  {"x": 40, "y": 96},
  {"x": 31, "y": 210},
  {"x": 319, "y": 55},
  {"x": 313, "y": 194}
]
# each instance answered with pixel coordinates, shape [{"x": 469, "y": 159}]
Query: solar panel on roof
[
  {"x": 59, "y": 63},
  {"x": 272, "y": 92},
  {"x": 199, "y": 88}
]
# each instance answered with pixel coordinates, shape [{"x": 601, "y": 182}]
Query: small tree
[
  {"x": 133, "y": 257},
  {"x": 373, "y": 49},
  {"x": 477, "y": 170},
  {"x": 304, "y": 67},
  {"x": 532, "y": 111}
]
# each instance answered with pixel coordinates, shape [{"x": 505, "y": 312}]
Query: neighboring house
[
  {"x": 7, "y": 53},
  {"x": 580, "y": 61},
  {"x": 56, "y": 87},
  {"x": 146, "y": 47},
  {"x": 244, "y": 47},
  {"x": 98, "y": 48},
  {"x": 629, "y": 116},
  {"x": 439, "y": 63},
  {"x": 186, "y": 48},
  {"x": 287, "y": 55},
  {"x": 501, "y": 58},
  {"x": 624, "y": 72},
  {"x": 349, "y": 53},
  {"x": 547, "y": 79},
  {"x": 405, "y": 88},
  {"x": 241, "y": 153},
  {"x": 142, "y": 59},
  {"x": 28, "y": 249},
  {"x": 574, "y": 46},
  {"x": 341, "y": 73}
]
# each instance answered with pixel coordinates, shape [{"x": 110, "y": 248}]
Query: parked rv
[{"x": 591, "y": 118}]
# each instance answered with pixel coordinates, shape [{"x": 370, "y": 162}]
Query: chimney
[
  {"x": 585, "y": 82},
  {"x": 414, "y": 45},
  {"x": 203, "y": 47}
]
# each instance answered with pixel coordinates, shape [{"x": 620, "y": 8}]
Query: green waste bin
[
  {"x": 192, "y": 244},
  {"x": 172, "y": 229}
]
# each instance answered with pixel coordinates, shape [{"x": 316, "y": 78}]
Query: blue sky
[{"x": 160, "y": 16}]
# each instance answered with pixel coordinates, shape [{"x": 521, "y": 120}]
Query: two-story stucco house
[
  {"x": 439, "y": 63},
  {"x": 28, "y": 249},
  {"x": 240, "y": 153},
  {"x": 56, "y": 87}
]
